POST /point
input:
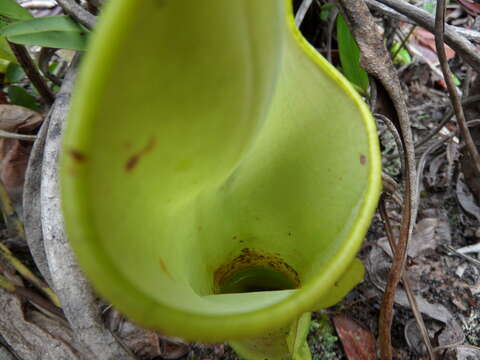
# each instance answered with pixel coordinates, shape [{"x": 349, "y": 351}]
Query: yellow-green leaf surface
[
  {"x": 201, "y": 132},
  {"x": 3, "y": 66},
  {"x": 297, "y": 338},
  {"x": 5, "y": 51}
]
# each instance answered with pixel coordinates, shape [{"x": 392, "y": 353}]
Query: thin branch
[
  {"x": 30, "y": 296},
  {"x": 404, "y": 42},
  {"x": 402, "y": 13},
  {"x": 331, "y": 25},
  {"x": 464, "y": 256},
  {"x": 456, "y": 41},
  {"x": 302, "y": 11},
  {"x": 6, "y": 284},
  {"x": 390, "y": 187},
  {"x": 28, "y": 274},
  {"x": 456, "y": 346},
  {"x": 454, "y": 98},
  {"x": 43, "y": 63},
  {"x": 396, "y": 137},
  {"x": 467, "y": 81},
  {"x": 466, "y": 101},
  {"x": 32, "y": 72},
  {"x": 10, "y": 135},
  {"x": 406, "y": 284},
  {"x": 423, "y": 159},
  {"x": 376, "y": 60},
  {"x": 77, "y": 12},
  {"x": 10, "y": 216}
]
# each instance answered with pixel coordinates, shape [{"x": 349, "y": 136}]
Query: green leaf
[
  {"x": 14, "y": 73},
  {"x": 325, "y": 11},
  {"x": 456, "y": 80},
  {"x": 5, "y": 51},
  {"x": 20, "y": 96},
  {"x": 297, "y": 338},
  {"x": 350, "y": 56},
  {"x": 402, "y": 57},
  {"x": 3, "y": 66},
  {"x": 429, "y": 6},
  {"x": 11, "y": 11},
  {"x": 55, "y": 31}
]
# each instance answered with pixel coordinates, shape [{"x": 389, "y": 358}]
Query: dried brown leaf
[
  {"x": 358, "y": 343},
  {"x": 427, "y": 39},
  {"x": 452, "y": 334},
  {"x": 144, "y": 343},
  {"x": 428, "y": 234},
  {"x": 31, "y": 341},
  {"x": 466, "y": 199},
  {"x": 473, "y": 8},
  {"x": 13, "y": 118},
  {"x": 14, "y": 153},
  {"x": 173, "y": 348},
  {"x": 414, "y": 337}
]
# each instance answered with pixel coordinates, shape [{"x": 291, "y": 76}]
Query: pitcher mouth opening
[{"x": 254, "y": 271}]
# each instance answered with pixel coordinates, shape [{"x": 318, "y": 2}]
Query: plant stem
[
  {"x": 32, "y": 72},
  {"x": 454, "y": 97},
  {"x": 78, "y": 13},
  {"x": 377, "y": 61},
  {"x": 404, "y": 42},
  {"x": 9, "y": 214},
  {"x": 27, "y": 274}
]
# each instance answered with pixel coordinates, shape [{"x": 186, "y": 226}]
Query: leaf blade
[
  {"x": 350, "y": 56},
  {"x": 20, "y": 96},
  {"x": 5, "y": 51},
  {"x": 11, "y": 11},
  {"x": 54, "y": 31}
]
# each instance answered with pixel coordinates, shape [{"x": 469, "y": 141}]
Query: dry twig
[
  {"x": 406, "y": 283},
  {"x": 10, "y": 216},
  {"x": 43, "y": 63},
  {"x": 28, "y": 274},
  {"x": 302, "y": 11},
  {"x": 396, "y": 137},
  {"x": 376, "y": 5},
  {"x": 454, "y": 98},
  {"x": 10, "y": 135},
  {"x": 77, "y": 12},
  {"x": 464, "y": 256},
  {"x": 453, "y": 38},
  {"x": 79, "y": 302},
  {"x": 376, "y": 60},
  {"x": 32, "y": 72},
  {"x": 446, "y": 119}
]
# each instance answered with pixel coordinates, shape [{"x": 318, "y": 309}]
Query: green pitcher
[{"x": 218, "y": 175}]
